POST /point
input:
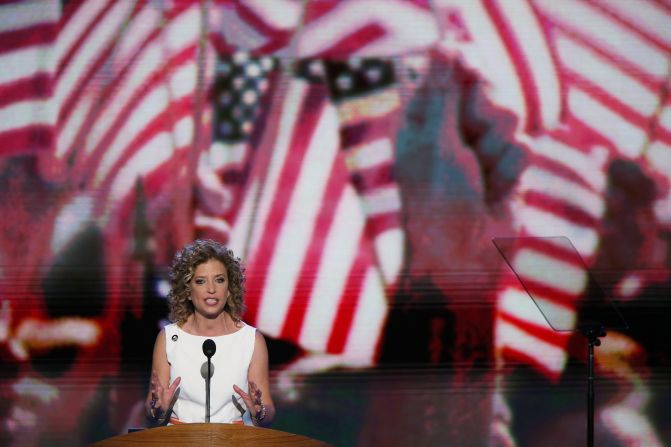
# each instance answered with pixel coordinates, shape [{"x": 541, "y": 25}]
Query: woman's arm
[
  {"x": 259, "y": 401},
  {"x": 160, "y": 396}
]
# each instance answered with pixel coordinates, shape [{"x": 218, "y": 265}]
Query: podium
[{"x": 209, "y": 435}]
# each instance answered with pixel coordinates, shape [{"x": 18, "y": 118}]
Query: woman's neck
[{"x": 210, "y": 327}]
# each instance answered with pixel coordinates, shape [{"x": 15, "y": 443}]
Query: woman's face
[{"x": 209, "y": 288}]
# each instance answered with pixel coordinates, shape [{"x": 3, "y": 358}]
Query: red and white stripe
[
  {"x": 216, "y": 201},
  {"x": 560, "y": 193},
  {"x": 28, "y": 30},
  {"x": 130, "y": 94},
  {"x": 89, "y": 37},
  {"x": 610, "y": 67},
  {"x": 87, "y": 104},
  {"x": 373, "y": 28},
  {"x": 257, "y": 26},
  {"x": 105, "y": 91},
  {"x": 504, "y": 41},
  {"x": 624, "y": 61},
  {"x": 319, "y": 29},
  {"x": 112, "y": 91}
]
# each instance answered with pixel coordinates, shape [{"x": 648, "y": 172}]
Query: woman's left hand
[{"x": 253, "y": 399}]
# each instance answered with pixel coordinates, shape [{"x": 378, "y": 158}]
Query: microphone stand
[
  {"x": 207, "y": 392},
  {"x": 209, "y": 348}
]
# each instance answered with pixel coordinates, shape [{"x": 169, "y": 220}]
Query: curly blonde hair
[{"x": 183, "y": 267}]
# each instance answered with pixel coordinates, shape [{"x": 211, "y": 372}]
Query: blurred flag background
[{"x": 359, "y": 156}]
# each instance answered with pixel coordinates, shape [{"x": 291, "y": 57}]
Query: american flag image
[
  {"x": 301, "y": 227},
  {"x": 316, "y": 208},
  {"x": 367, "y": 97},
  {"x": 273, "y": 126}
]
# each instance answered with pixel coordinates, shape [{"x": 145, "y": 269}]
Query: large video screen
[{"x": 361, "y": 157}]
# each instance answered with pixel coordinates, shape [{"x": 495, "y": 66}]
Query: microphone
[{"x": 209, "y": 348}]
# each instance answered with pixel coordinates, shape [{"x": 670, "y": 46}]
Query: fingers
[
  {"x": 253, "y": 399},
  {"x": 242, "y": 394},
  {"x": 162, "y": 396},
  {"x": 253, "y": 396},
  {"x": 245, "y": 397},
  {"x": 174, "y": 385},
  {"x": 254, "y": 402}
]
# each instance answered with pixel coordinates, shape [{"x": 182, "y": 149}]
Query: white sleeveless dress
[{"x": 230, "y": 363}]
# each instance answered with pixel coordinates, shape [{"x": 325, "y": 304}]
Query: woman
[{"x": 206, "y": 302}]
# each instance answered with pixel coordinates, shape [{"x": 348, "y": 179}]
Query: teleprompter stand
[{"x": 546, "y": 264}]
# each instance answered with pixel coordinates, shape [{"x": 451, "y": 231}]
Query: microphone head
[{"x": 209, "y": 348}]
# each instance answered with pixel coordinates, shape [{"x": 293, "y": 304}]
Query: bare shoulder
[
  {"x": 260, "y": 346},
  {"x": 159, "y": 345},
  {"x": 160, "y": 338}
]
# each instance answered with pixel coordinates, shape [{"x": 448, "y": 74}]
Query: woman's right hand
[{"x": 161, "y": 396}]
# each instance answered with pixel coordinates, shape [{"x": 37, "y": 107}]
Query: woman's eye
[
  {"x": 200, "y": 281},
  {"x": 221, "y": 280}
]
